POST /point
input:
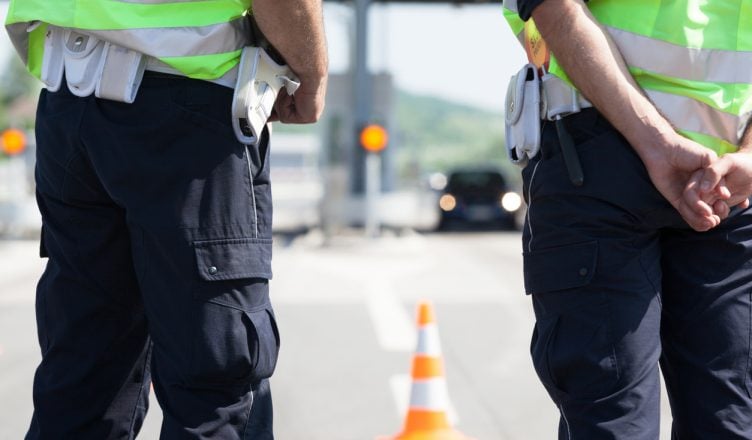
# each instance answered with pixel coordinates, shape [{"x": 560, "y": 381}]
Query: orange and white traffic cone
[{"x": 429, "y": 401}]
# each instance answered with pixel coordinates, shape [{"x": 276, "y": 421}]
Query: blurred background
[{"x": 360, "y": 237}]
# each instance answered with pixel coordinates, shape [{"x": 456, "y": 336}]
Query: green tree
[{"x": 16, "y": 86}]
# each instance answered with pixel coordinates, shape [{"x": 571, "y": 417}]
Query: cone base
[{"x": 435, "y": 434}]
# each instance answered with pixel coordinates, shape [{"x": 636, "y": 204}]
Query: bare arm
[
  {"x": 595, "y": 65},
  {"x": 296, "y": 29}
]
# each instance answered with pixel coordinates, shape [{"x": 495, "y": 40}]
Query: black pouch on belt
[{"x": 569, "y": 152}]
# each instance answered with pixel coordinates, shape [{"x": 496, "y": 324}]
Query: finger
[
  {"x": 274, "y": 116},
  {"x": 308, "y": 108},
  {"x": 692, "y": 196},
  {"x": 721, "y": 190},
  {"x": 737, "y": 200},
  {"x": 695, "y": 221},
  {"x": 721, "y": 209},
  {"x": 715, "y": 172},
  {"x": 285, "y": 108}
]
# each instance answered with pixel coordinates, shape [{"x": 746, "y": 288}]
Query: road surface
[{"x": 346, "y": 318}]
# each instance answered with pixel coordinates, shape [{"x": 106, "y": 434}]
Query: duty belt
[
  {"x": 95, "y": 66},
  {"x": 532, "y": 98},
  {"x": 559, "y": 99},
  {"x": 109, "y": 71}
]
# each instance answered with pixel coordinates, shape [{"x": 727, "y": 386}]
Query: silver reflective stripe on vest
[
  {"x": 183, "y": 41},
  {"x": 511, "y": 5},
  {"x": 663, "y": 58},
  {"x": 19, "y": 36},
  {"x": 692, "y": 115}
]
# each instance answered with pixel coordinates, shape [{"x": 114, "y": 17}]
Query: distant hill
[
  {"x": 434, "y": 134},
  {"x": 442, "y": 134}
]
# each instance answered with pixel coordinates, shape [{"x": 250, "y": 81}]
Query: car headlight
[
  {"x": 437, "y": 181},
  {"x": 511, "y": 201},
  {"x": 447, "y": 202}
]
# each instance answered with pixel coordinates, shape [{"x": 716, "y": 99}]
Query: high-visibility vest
[
  {"x": 693, "y": 59},
  {"x": 201, "y": 40}
]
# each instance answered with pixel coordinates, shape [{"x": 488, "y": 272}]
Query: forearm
[
  {"x": 595, "y": 65},
  {"x": 745, "y": 144},
  {"x": 296, "y": 29}
]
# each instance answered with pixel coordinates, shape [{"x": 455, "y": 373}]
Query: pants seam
[
  {"x": 566, "y": 422},
  {"x": 147, "y": 360},
  {"x": 248, "y": 417},
  {"x": 530, "y": 207},
  {"x": 253, "y": 192},
  {"x": 749, "y": 347}
]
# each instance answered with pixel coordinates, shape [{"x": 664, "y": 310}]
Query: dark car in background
[{"x": 479, "y": 197}]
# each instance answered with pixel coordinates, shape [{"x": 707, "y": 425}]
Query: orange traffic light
[
  {"x": 373, "y": 138},
  {"x": 13, "y": 142}
]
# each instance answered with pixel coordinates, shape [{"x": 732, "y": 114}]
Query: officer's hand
[
  {"x": 726, "y": 183},
  {"x": 671, "y": 166},
  {"x": 303, "y": 107},
  {"x": 716, "y": 199}
]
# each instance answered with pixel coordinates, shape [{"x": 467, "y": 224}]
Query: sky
[{"x": 462, "y": 53}]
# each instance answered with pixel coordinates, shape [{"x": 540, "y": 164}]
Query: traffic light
[
  {"x": 374, "y": 138},
  {"x": 13, "y": 141}
]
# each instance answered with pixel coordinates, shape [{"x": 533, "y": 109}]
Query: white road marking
[
  {"x": 395, "y": 330},
  {"x": 400, "y": 385}
]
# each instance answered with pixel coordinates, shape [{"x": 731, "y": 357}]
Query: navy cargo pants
[
  {"x": 619, "y": 284},
  {"x": 157, "y": 224}
]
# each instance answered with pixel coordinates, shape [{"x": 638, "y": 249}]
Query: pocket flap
[
  {"x": 560, "y": 268},
  {"x": 232, "y": 259}
]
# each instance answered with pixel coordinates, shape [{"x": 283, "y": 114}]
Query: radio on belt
[{"x": 523, "y": 115}]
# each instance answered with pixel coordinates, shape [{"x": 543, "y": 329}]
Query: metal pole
[
  {"x": 362, "y": 106},
  {"x": 373, "y": 188},
  {"x": 361, "y": 79}
]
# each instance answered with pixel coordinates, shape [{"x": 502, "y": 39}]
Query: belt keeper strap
[
  {"x": 560, "y": 99},
  {"x": 122, "y": 73}
]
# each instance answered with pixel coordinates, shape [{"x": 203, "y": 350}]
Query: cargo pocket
[
  {"x": 234, "y": 258},
  {"x": 234, "y": 347},
  {"x": 560, "y": 268},
  {"x": 229, "y": 268},
  {"x": 267, "y": 343},
  {"x": 572, "y": 346},
  {"x": 236, "y": 340}
]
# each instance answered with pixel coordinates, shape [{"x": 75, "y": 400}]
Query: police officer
[
  {"x": 156, "y": 219},
  {"x": 630, "y": 259}
]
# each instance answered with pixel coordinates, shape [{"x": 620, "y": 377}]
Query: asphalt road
[{"x": 346, "y": 317}]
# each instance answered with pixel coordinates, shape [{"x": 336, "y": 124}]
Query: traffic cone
[{"x": 429, "y": 401}]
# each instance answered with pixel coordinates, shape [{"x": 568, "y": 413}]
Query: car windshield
[{"x": 476, "y": 181}]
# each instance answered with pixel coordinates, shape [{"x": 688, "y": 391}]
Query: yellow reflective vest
[
  {"x": 200, "y": 39},
  {"x": 693, "y": 59}
]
